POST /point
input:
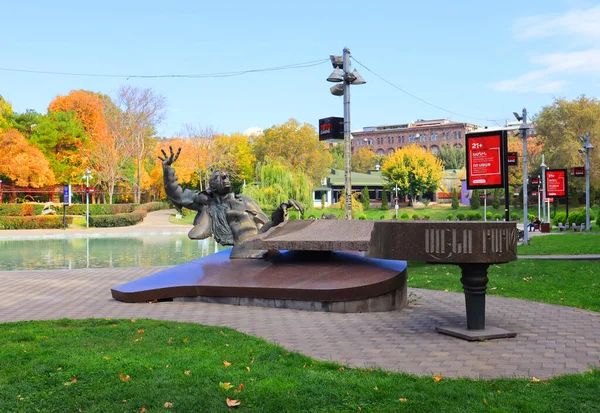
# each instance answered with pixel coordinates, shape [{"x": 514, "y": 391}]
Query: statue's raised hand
[
  {"x": 292, "y": 203},
  {"x": 170, "y": 159}
]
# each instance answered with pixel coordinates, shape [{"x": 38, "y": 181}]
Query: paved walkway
[{"x": 551, "y": 340}]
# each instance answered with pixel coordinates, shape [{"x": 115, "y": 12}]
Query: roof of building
[
  {"x": 373, "y": 178},
  {"x": 418, "y": 124}
]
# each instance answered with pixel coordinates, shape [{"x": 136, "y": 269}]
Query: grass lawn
[
  {"x": 570, "y": 243},
  {"x": 105, "y": 365}
]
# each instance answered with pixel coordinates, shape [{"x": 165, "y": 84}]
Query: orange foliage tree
[
  {"x": 534, "y": 157},
  {"x": 89, "y": 109},
  {"x": 22, "y": 162}
]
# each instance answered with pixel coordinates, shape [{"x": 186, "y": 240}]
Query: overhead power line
[
  {"x": 188, "y": 76},
  {"x": 423, "y": 100}
]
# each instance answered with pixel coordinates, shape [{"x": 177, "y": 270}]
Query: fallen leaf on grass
[
  {"x": 124, "y": 377},
  {"x": 341, "y": 369},
  {"x": 232, "y": 403},
  {"x": 186, "y": 372},
  {"x": 248, "y": 368},
  {"x": 185, "y": 340},
  {"x": 437, "y": 378},
  {"x": 227, "y": 385},
  {"x": 167, "y": 366},
  {"x": 484, "y": 401},
  {"x": 170, "y": 342},
  {"x": 226, "y": 363},
  {"x": 139, "y": 339},
  {"x": 403, "y": 399},
  {"x": 106, "y": 358},
  {"x": 58, "y": 368},
  {"x": 535, "y": 380},
  {"x": 141, "y": 331},
  {"x": 132, "y": 320},
  {"x": 73, "y": 380},
  {"x": 143, "y": 409},
  {"x": 375, "y": 388},
  {"x": 168, "y": 405}
]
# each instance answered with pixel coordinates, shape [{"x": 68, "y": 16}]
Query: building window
[
  {"x": 435, "y": 150},
  {"x": 423, "y": 138},
  {"x": 380, "y": 152},
  {"x": 434, "y": 136},
  {"x": 402, "y": 139},
  {"x": 411, "y": 138}
]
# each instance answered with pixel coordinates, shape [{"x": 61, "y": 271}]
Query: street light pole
[
  {"x": 544, "y": 198},
  {"x": 347, "y": 142},
  {"x": 87, "y": 176},
  {"x": 396, "y": 203},
  {"x": 524, "y": 129},
  {"x": 587, "y": 146}
]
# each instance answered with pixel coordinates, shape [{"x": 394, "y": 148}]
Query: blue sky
[{"x": 482, "y": 60}]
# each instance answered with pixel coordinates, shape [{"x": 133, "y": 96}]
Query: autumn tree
[
  {"x": 233, "y": 153},
  {"x": 26, "y": 122},
  {"x": 201, "y": 152},
  {"x": 560, "y": 125},
  {"x": 141, "y": 110},
  {"x": 6, "y": 113},
  {"x": 297, "y": 146},
  {"x": 337, "y": 156},
  {"x": 364, "y": 160},
  {"x": 22, "y": 162},
  {"x": 414, "y": 170},
  {"x": 60, "y": 137},
  {"x": 534, "y": 157},
  {"x": 88, "y": 108},
  {"x": 452, "y": 157}
]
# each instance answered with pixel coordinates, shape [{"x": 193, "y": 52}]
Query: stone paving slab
[{"x": 551, "y": 340}]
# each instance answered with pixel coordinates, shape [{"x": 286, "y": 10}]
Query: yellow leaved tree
[{"x": 23, "y": 163}]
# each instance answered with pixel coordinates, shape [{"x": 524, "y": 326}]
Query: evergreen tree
[
  {"x": 474, "y": 201},
  {"x": 384, "y": 200},
  {"x": 454, "y": 199},
  {"x": 365, "y": 198}
]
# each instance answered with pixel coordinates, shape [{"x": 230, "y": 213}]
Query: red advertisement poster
[
  {"x": 556, "y": 182},
  {"x": 484, "y": 160}
]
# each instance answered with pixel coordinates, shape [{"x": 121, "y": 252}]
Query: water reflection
[{"x": 103, "y": 252}]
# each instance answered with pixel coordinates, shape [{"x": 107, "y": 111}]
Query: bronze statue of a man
[{"x": 230, "y": 219}]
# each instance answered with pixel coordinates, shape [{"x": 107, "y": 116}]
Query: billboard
[
  {"x": 556, "y": 183},
  {"x": 331, "y": 129},
  {"x": 512, "y": 158},
  {"x": 485, "y": 155},
  {"x": 577, "y": 171}
]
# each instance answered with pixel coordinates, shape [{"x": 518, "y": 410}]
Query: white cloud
[{"x": 582, "y": 25}]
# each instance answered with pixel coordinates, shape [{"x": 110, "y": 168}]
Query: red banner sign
[
  {"x": 512, "y": 158},
  {"x": 484, "y": 160},
  {"x": 577, "y": 171},
  {"x": 556, "y": 182}
]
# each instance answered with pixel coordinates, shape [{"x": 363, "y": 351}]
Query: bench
[
  {"x": 562, "y": 227},
  {"x": 579, "y": 228}
]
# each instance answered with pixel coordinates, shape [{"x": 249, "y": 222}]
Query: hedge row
[
  {"x": 34, "y": 222},
  {"x": 127, "y": 219},
  {"x": 75, "y": 209}
]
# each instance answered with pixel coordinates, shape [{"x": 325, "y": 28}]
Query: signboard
[
  {"x": 67, "y": 195},
  {"x": 512, "y": 158},
  {"x": 556, "y": 182},
  {"x": 577, "y": 171},
  {"x": 484, "y": 160},
  {"x": 331, "y": 129},
  {"x": 534, "y": 181}
]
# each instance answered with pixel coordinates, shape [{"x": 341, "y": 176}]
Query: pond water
[{"x": 141, "y": 250}]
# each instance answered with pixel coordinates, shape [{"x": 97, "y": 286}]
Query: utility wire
[
  {"x": 192, "y": 76},
  {"x": 423, "y": 100}
]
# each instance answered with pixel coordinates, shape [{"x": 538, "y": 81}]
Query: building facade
[{"x": 430, "y": 134}]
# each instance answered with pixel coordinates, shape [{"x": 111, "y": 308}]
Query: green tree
[
  {"x": 475, "y": 202},
  {"x": 276, "y": 183},
  {"x": 366, "y": 200},
  {"x": 414, "y": 170},
  {"x": 451, "y": 157},
  {"x": 297, "y": 146},
  {"x": 60, "y": 137},
  {"x": 337, "y": 156},
  {"x": 233, "y": 153},
  {"x": 27, "y": 121},
  {"x": 384, "y": 200},
  {"x": 561, "y": 124},
  {"x": 455, "y": 202}
]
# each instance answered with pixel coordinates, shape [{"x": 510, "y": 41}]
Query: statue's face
[{"x": 219, "y": 182}]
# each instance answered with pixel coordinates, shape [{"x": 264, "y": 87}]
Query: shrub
[
  {"x": 489, "y": 216},
  {"x": 362, "y": 216},
  {"x": 117, "y": 220},
  {"x": 404, "y": 216},
  {"x": 449, "y": 217},
  {"x": 496, "y": 201},
  {"x": 514, "y": 216},
  {"x": 426, "y": 216},
  {"x": 454, "y": 200},
  {"x": 27, "y": 210},
  {"x": 559, "y": 217},
  {"x": 460, "y": 216},
  {"x": 425, "y": 201},
  {"x": 415, "y": 216},
  {"x": 323, "y": 201},
  {"x": 34, "y": 222},
  {"x": 498, "y": 217},
  {"x": 382, "y": 217},
  {"x": 474, "y": 216}
]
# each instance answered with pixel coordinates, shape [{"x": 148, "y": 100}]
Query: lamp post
[
  {"x": 87, "y": 176},
  {"x": 587, "y": 146},
  {"x": 544, "y": 166},
  {"x": 341, "y": 74},
  {"x": 524, "y": 129},
  {"x": 1, "y": 193},
  {"x": 396, "y": 199},
  {"x": 538, "y": 196}
]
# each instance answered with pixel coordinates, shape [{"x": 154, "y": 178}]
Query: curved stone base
[{"x": 308, "y": 280}]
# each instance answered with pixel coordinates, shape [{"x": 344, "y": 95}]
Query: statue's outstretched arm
[{"x": 180, "y": 197}]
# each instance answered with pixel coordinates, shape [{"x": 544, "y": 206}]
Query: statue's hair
[{"x": 213, "y": 181}]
